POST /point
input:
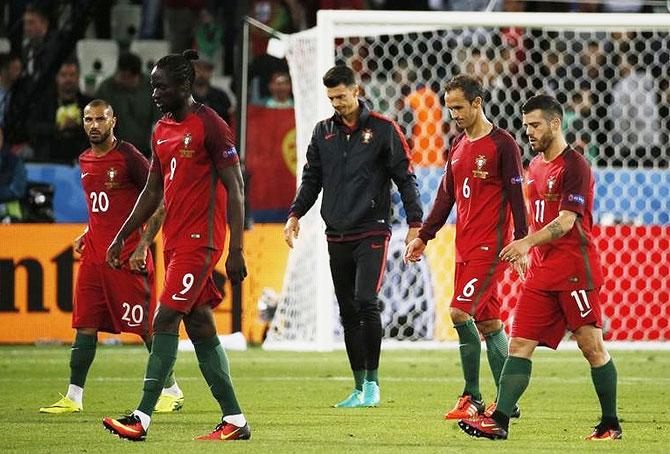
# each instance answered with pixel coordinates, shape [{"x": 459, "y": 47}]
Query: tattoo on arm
[
  {"x": 153, "y": 225},
  {"x": 555, "y": 229}
]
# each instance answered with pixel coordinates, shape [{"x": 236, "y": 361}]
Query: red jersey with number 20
[
  {"x": 570, "y": 262},
  {"x": 112, "y": 182},
  {"x": 189, "y": 154}
]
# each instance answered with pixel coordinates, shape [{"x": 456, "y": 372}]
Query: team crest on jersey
[
  {"x": 367, "y": 135},
  {"x": 112, "y": 173},
  {"x": 186, "y": 152},
  {"x": 480, "y": 162},
  {"x": 550, "y": 193}
]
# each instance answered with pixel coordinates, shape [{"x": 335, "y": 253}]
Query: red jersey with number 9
[
  {"x": 112, "y": 182},
  {"x": 570, "y": 262},
  {"x": 188, "y": 154}
]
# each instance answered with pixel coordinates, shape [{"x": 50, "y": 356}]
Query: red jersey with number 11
[
  {"x": 188, "y": 154},
  {"x": 570, "y": 262}
]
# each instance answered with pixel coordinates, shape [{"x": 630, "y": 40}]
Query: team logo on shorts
[
  {"x": 186, "y": 152},
  {"x": 367, "y": 135},
  {"x": 480, "y": 162},
  {"x": 550, "y": 193},
  {"x": 112, "y": 173}
]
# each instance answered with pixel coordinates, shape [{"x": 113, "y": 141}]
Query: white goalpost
[{"x": 601, "y": 66}]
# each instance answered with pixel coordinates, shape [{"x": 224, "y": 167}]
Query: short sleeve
[
  {"x": 155, "y": 166},
  {"x": 137, "y": 165},
  {"x": 576, "y": 180},
  {"x": 219, "y": 141}
]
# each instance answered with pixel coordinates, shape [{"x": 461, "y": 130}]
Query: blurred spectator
[
  {"x": 181, "y": 18},
  {"x": 129, "y": 93},
  {"x": 204, "y": 92},
  {"x": 260, "y": 71},
  {"x": 12, "y": 184},
  {"x": 39, "y": 42},
  {"x": 151, "y": 24},
  {"x": 55, "y": 129},
  {"x": 209, "y": 38},
  {"x": 10, "y": 70},
  {"x": 276, "y": 14},
  {"x": 634, "y": 110},
  {"x": 280, "y": 91}
]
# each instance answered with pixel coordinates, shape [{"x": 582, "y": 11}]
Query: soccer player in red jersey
[
  {"x": 483, "y": 178},
  {"x": 113, "y": 173},
  {"x": 562, "y": 284},
  {"x": 196, "y": 170}
]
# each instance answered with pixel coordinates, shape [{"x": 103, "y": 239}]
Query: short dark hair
[
  {"x": 6, "y": 59},
  {"x": 101, "y": 103},
  {"x": 129, "y": 62},
  {"x": 469, "y": 85},
  {"x": 546, "y": 103},
  {"x": 38, "y": 8},
  {"x": 338, "y": 75},
  {"x": 179, "y": 67},
  {"x": 71, "y": 61}
]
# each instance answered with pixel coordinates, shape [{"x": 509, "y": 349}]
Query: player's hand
[
  {"x": 236, "y": 270},
  {"x": 291, "y": 230},
  {"x": 514, "y": 251},
  {"x": 520, "y": 266},
  {"x": 113, "y": 253},
  {"x": 412, "y": 232},
  {"x": 79, "y": 243},
  {"x": 138, "y": 260},
  {"x": 414, "y": 250}
]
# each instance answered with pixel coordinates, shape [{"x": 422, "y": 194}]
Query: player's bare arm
[
  {"x": 550, "y": 232},
  {"x": 231, "y": 177},
  {"x": 291, "y": 230},
  {"x": 138, "y": 259},
  {"x": 79, "y": 242},
  {"x": 146, "y": 205}
]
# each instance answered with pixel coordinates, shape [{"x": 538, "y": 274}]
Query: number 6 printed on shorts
[
  {"x": 187, "y": 282},
  {"x": 468, "y": 290}
]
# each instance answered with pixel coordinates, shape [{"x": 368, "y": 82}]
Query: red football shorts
[
  {"x": 544, "y": 316},
  {"x": 476, "y": 288},
  {"x": 188, "y": 279},
  {"x": 112, "y": 300}
]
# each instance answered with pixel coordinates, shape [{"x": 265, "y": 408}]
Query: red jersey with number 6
[
  {"x": 112, "y": 182},
  {"x": 570, "y": 262},
  {"x": 483, "y": 178},
  {"x": 189, "y": 154}
]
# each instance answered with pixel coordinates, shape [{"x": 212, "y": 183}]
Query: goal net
[{"x": 610, "y": 72}]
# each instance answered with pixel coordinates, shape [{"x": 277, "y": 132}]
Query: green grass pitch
[{"x": 287, "y": 398}]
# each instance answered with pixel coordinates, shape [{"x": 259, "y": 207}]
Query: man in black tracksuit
[{"x": 353, "y": 156}]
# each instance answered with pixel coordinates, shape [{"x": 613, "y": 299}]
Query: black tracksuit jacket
[{"x": 355, "y": 168}]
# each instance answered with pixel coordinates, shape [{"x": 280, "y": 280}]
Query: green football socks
[
  {"x": 372, "y": 375},
  {"x": 470, "y": 348},
  {"x": 214, "y": 367},
  {"x": 161, "y": 361},
  {"x": 81, "y": 357},
  {"x": 514, "y": 380},
  {"x": 170, "y": 380},
  {"x": 359, "y": 378},
  {"x": 605, "y": 381},
  {"x": 496, "y": 351}
]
